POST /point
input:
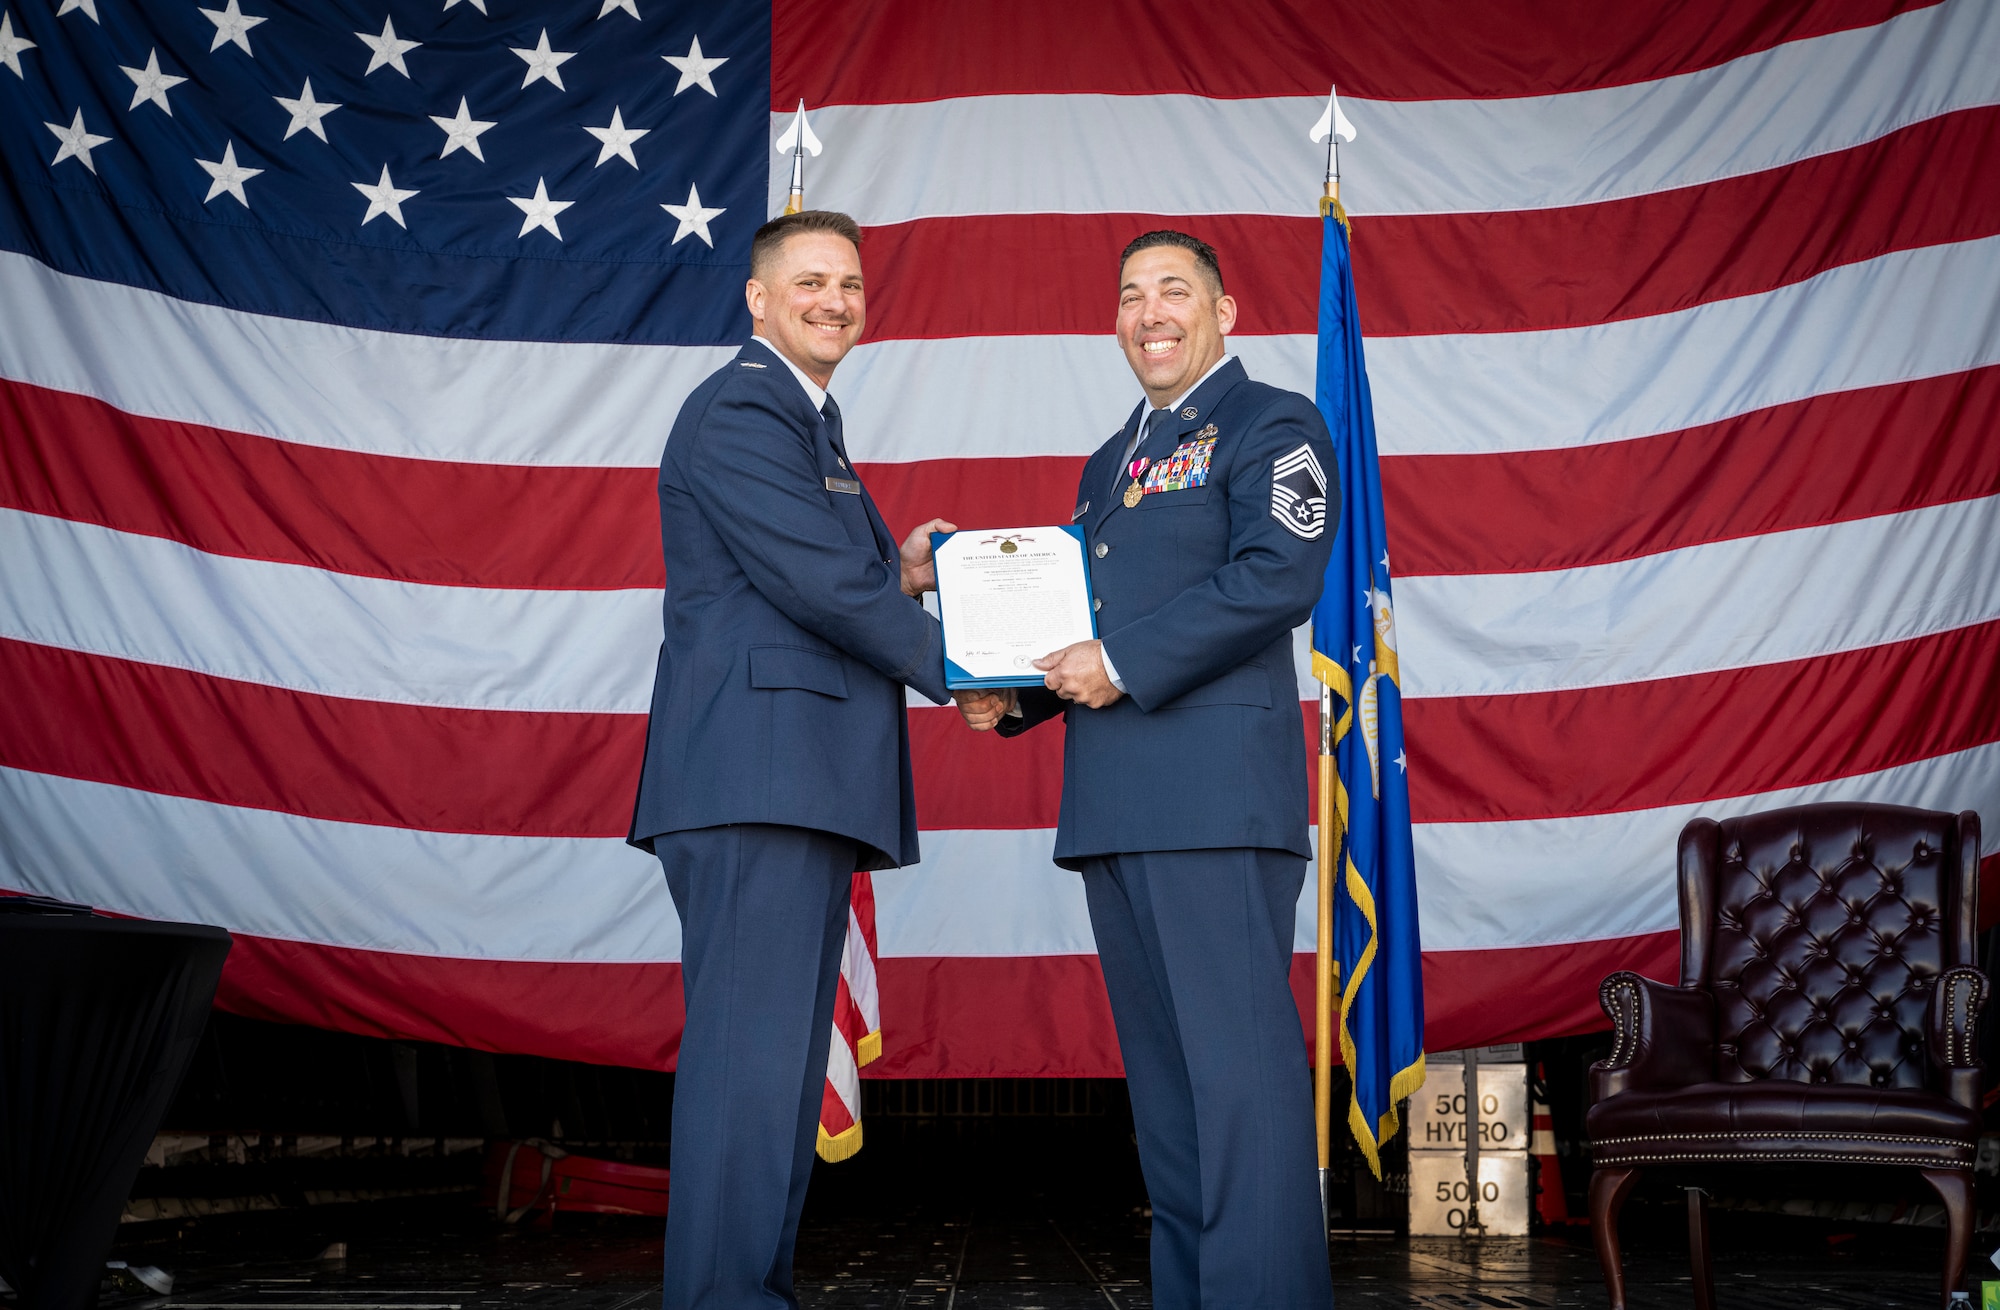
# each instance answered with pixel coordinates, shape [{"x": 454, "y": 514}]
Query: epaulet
[{"x": 744, "y": 363}]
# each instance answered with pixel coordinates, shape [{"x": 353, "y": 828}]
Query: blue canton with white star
[{"x": 582, "y": 171}]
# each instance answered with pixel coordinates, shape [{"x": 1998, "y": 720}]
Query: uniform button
[
  {"x": 1096, "y": 603},
  {"x": 1102, "y": 550}
]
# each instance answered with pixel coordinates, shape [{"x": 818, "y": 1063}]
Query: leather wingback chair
[{"x": 1826, "y": 1012}]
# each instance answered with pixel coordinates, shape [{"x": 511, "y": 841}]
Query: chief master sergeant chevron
[
  {"x": 1209, "y": 522},
  {"x": 777, "y": 757}
]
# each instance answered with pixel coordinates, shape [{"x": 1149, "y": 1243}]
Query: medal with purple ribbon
[{"x": 1134, "y": 493}]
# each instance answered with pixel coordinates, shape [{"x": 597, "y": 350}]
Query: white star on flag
[
  {"x": 76, "y": 142},
  {"x": 149, "y": 83},
  {"x": 11, "y": 46},
  {"x": 694, "y": 217},
  {"x": 480, "y": 5},
  {"x": 462, "y": 133},
  {"x": 542, "y": 61},
  {"x": 389, "y": 49},
  {"x": 539, "y": 210},
  {"x": 695, "y": 68},
  {"x": 89, "y": 8},
  {"x": 629, "y": 6},
  {"x": 384, "y": 197},
  {"x": 617, "y": 139},
  {"x": 233, "y": 26},
  {"x": 306, "y": 113},
  {"x": 1403, "y": 761},
  {"x": 228, "y": 176}
]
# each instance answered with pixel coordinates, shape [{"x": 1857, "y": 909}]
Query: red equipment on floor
[{"x": 539, "y": 1178}]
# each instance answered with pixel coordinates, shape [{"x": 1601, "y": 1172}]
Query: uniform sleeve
[
  {"x": 757, "y": 481},
  {"x": 1038, "y": 705},
  {"x": 1277, "y": 563}
]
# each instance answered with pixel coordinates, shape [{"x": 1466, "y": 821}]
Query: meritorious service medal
[{"x": 1134, "y": 493}]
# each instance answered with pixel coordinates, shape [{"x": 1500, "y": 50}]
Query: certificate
[{"x": 1009, "y": 596}]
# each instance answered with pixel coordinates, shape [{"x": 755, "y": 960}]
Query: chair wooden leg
[
  {"x": 1608, "y": 1189},
  {"x": 1954, "y": 1188},
  {"x": 1704, "y": 1271}
]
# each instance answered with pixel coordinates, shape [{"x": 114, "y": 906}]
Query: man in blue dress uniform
[
  {"x": 777, "y": 756},
  {"x": 1209, "y": 519}
]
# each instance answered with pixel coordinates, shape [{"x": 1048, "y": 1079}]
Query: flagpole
[{"x": 1323, "y": 1002}]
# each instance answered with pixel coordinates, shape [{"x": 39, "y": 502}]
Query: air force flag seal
[{"x": 1298, "y": 493}]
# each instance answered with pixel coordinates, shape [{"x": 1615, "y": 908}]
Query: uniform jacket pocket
[
  {"x": 1169, "y": 499},
  {"x": 795, "y": 666},
  {"x": 1246, "y": 684}
]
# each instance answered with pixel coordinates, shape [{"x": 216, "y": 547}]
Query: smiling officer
[
  {"x": 777, "y": 756},
  {"x": 1209, "y": 523}
]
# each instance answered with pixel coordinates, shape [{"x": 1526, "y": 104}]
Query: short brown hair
[
  {"x": 1204, "y": 253},
  {"x": 773, "y": 235}
]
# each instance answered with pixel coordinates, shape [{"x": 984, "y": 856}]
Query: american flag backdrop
[{"x": 338, "y": 342}]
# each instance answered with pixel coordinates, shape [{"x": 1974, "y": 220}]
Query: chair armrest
[
  {"x": 1956, "y": 1000},
  {"x": 1663, "y": 1037}
]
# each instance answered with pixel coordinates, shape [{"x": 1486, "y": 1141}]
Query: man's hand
[
  {"x": 919, "y": 574},
  {"x": 983, "y": 708},
  {"x": 1076, "y": 673}
]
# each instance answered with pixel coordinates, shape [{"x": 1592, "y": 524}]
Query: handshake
[{"x": 1075, "y": 673}]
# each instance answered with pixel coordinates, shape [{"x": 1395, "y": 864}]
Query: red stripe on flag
[
  {"x": 1680, "y": 741},
  {"x": 1632, "y": 746},
  {"x": 622, "y": 1014},
  {"x": 1007, "y": 1017},
  {"x": 1828, "y": 459},
  {"x": 76, "y": 458},
  {"x": 188, "y": 734},
  {"x": 1447, "y": 273},
  {"x": 486, "y": 525},
  {"x": 832, "y": 52}
]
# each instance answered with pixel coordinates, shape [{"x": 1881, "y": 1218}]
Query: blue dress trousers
[
  {"x": 777, "y": 763},
  {"x": 1184, "y": 807}
]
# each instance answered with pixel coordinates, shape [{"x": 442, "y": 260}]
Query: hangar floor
[{"x": 443, "y": 1254}]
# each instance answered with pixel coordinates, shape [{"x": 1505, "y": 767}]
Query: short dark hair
[
  {"x": 1204, "y": 253},
  {"x": 773, "y": 235}
]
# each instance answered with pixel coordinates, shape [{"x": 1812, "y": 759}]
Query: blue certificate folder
[{"x": 956, "y": 677}]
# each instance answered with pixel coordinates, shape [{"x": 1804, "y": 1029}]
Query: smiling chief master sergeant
[
  {"x": 777, "y": 757},
  {"x": 1209, "y": 523}
]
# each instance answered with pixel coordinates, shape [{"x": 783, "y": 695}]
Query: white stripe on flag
[
  {"x": 391, "y": 393},
  {"x": 1927, "y": 312},
  {"x": 1720, "y": 605},
  {"x": 83, "y": 587},
  {"x": 1181, "y": 154},
  {"x": 979, "y": 892},
  {"x": 338, "y": 884},
  {"x": 1904, "y": 316}
]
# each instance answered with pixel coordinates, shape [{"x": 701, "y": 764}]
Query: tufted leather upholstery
[
  {"x": 1826, "y": 1010},
  {"x": 1825, "y": 939},
  {"x": 1814, "y": 942}
]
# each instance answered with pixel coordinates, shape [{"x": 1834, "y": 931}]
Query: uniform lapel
[
  {"x": 1101, "y": 488},
  {"x": 836, "y": 439}
]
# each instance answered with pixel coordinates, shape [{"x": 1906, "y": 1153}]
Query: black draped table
[{"x": 99, "y": 1018}]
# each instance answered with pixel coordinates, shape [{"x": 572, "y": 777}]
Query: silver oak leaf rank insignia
[{"x": 1298, "y": 493}]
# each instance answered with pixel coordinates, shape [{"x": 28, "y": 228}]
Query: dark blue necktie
[{"x": 1120, "y": 474}]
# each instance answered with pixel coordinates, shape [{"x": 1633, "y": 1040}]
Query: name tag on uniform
[
  {"x": 1081, "y": 510},
  {"x": 848, "y": 485}
]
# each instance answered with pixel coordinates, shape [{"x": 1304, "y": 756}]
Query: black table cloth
[{"x": 99, "y": 1018}]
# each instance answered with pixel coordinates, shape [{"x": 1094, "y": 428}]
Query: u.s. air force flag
[{"x": 1375, "y": 941}]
